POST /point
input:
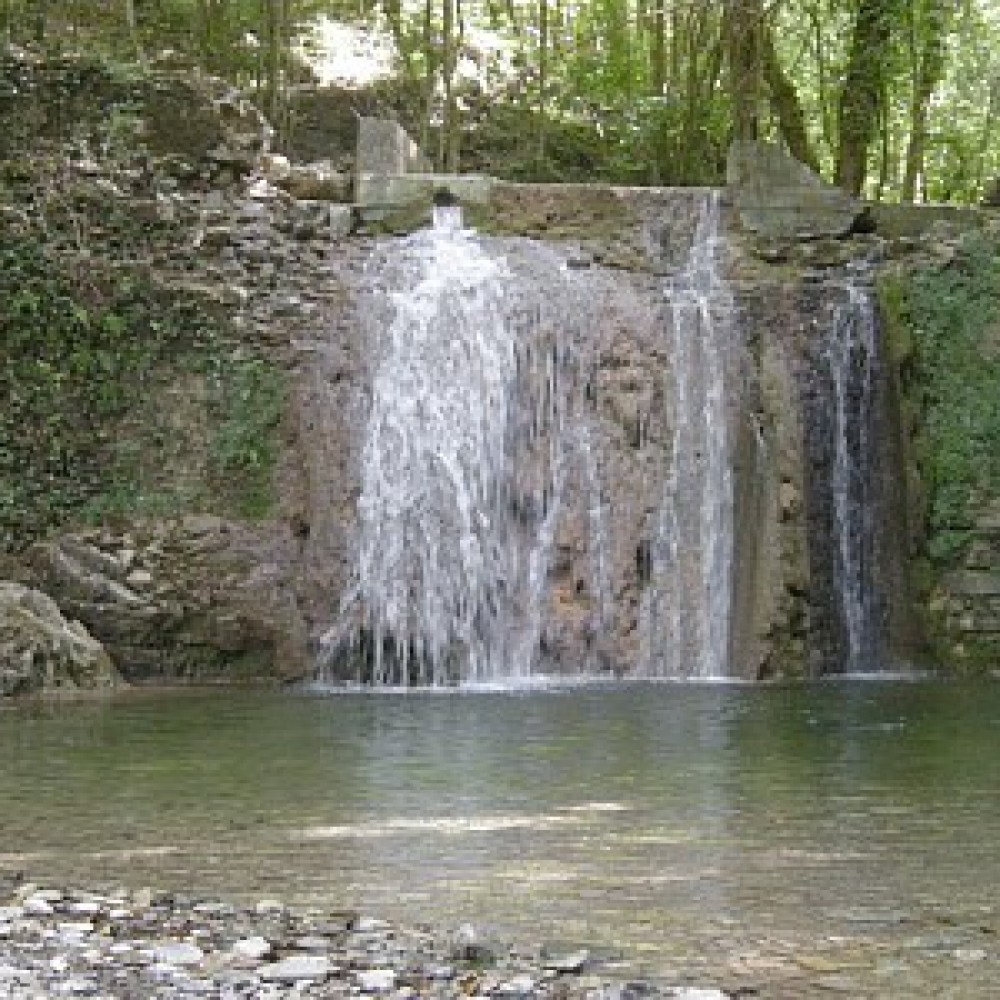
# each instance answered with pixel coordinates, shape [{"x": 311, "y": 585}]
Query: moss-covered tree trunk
[
  {"x": 744, "y": 22},
  {"x": 785, "y": 102},
  {"x": 927, "y": 74},
  {"x": 864, "y": 86}
]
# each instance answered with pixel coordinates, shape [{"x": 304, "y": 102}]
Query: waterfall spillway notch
[{"x": 484, "y": 440}]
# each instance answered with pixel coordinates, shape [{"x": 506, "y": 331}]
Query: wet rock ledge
[{"x": 132, "y": 945}]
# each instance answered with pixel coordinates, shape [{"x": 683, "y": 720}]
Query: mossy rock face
[
  {"x": 93, "y": 105},
  {"x": 104, "y": 373},
  {"x": 939, "y": 318}
]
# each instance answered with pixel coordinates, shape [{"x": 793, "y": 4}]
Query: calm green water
[{"x": 834, "y": 837}]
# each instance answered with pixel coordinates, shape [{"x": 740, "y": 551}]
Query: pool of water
[{"x": 840, "y": 836}]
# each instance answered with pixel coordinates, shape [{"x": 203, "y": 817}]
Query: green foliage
[
  {"x": 950, "y": 358},
  {"x": 80, "y": 349},
  {"x": 249, "y": 400}
]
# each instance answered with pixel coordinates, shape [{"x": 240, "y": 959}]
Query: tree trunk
[
  {"x": 430, "y": 76},
  {"x": 273, "y": 62},
  {"x": 447, "y": 146},
  {"x": 657, "y": 55},
  {"x": 785, "y": 102},
  {"x": 861, "y": 96},
  {"x": 926, "y": 78},
  {"x": 543, "y": 66},
  {"x": 744, "y": 21}
]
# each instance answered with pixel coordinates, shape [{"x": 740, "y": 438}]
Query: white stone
[
  {"x": 698, "y": 993},
  {"x": 970, "y": 954},
  {"x": 341, "y": 220},
  {"x": 143, "y": 898},
  {"x": 177, "y": 953},
  {"x": 366, "y": 925},
  {"x": 518, "y": 986},
  {"x": 270, "y": 906},
  {"x": 440, "y": 972},
  {"x": 254, "y": 948},
  {"x": 376, "y": 980},
  {"x": 37, "y": 906},
  {"x": 75, "y": 927},
  {"x": 569, "y": 963},
  {"x": 290, "y": 970}
]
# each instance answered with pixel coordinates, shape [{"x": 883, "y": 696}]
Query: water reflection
[{"x": 697, "y": 829}]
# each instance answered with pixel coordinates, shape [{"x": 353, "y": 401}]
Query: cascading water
[
  {"x": 851, "y": 356},
  {"x": 485, "y": 522},
  {"x": 687, "y": 603},
  {"x": 460, "y": 472}
]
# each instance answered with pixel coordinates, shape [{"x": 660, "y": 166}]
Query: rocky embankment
[
  {"x": 71, "y": 942},
  {"x": 163, "y": 278},
  {"x": 40, "y": 649}
]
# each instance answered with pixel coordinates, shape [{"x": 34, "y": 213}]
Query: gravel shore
[{"x": 145, "y": 944}]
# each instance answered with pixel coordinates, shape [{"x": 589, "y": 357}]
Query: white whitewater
[
  {"x": 688, "y": 603},
  {"x": 480, "y": 432},
  {"x": 851, "y": 357},
  {"x": 460, "y": 473}
]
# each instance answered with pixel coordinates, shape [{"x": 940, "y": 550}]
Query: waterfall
[
  {"x": 685, "y": 615},
  {"x": 460, "y": 469},
  {"x": 851, "y": 357},
  {"x": 488, "y": 549}
]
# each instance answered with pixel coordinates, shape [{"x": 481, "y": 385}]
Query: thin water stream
[{"x": 845, "y": 835}]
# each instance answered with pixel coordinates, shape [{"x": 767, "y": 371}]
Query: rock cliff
[{"x": 200, "y": 518}]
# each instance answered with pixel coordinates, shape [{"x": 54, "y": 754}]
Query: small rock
[
  {"x": 311, "y": 942},
  {"x": 139, "y": 578},
  {"x": 376, "y": 980},
  {"x": 522, "y": 985},
  {"x": 38, "y": 906},
  {"x": 298, "y": 967},
  {"x": 698, "y": 993},
  {"x": 75, "y": 928},
  {"x": 443, "y": 972},
  {"x": 366, "y": 925},
  {"x": 143, "y": 899},
  {"x": 970, "y": 954},
  {"x": 270, "y": 906},
  {"x": 77, "y": 986},
  {"x": 177, "y": 953},
  {"x": 568, "y": 963},
  {"x": 253, "y": 948}
]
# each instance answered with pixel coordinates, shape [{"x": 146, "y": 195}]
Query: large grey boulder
[
  {"x": 777, "y": 197},
  {"x": 40, "y": 650}
]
